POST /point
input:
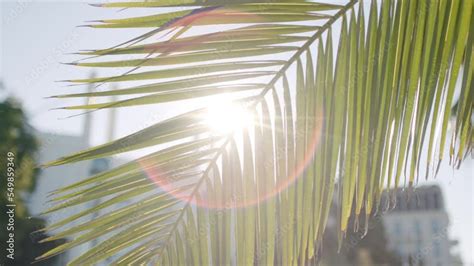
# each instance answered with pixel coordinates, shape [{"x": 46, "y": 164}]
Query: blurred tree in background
[{"x": 18, "y": 137}]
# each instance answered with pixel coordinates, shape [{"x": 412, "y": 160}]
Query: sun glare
[{"x": 224, "y": 116}]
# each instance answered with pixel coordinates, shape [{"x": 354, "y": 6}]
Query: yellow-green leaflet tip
[
  {"x": 57, "y": 108},
  {"x": 69, "y": 63},
  {"x": 96, "y": 5}
]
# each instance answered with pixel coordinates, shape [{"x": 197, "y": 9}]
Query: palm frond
[{"x": 353, "y": 108}]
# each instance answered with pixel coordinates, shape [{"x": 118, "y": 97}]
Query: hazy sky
[{"x": 35, "y": 37}]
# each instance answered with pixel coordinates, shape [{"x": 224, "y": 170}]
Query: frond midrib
[{"x": 259, "y": 98}]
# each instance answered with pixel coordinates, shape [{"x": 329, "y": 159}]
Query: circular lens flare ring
[{"x": 235, "y": 201}]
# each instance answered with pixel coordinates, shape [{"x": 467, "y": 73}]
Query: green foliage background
[{"x": 18, "y": 137}]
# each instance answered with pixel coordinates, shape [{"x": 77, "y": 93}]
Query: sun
[{"x": 224, "y": 116}]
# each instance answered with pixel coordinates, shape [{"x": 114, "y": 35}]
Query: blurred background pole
[{"x": 101, "y": 164}]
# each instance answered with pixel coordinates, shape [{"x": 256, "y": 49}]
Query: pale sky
[{"x": 35, "y": 37}]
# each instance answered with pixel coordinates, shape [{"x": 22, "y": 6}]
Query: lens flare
[
  {"x": 224, "y": 117},
  {"x": 165, "y": 181}
]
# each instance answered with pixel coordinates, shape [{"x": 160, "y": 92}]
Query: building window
[
  {"x": 400, "y": 203},
  {"x": 400, "y": 251},
  {"x": 437, "y": 249},
  {"x": 418, "y": 230},
  {"x": 436, "y": 201},
  {"x": 412, "y": 203},
  {"x": 398, "y": 229},
  {"x": 426, "y": 205},
  {"x": 434, "y": 226},
  {"x": 430, "y": 198}
]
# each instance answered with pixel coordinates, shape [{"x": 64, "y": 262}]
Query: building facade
[
  {"x": 53, "y": 146},
  {"x": 417, "y": 227}
]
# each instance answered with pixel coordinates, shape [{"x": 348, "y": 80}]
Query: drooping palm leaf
[{"x": 356, "y": 110}]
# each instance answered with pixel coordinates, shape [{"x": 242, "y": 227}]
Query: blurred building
[
  {"x": 358, "y": 246},
  {"x": 417, "y": 228},
  {"x": 54, "y": 146}
]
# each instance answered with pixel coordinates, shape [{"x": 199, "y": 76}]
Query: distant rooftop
[{"x": 423, "y": 198}]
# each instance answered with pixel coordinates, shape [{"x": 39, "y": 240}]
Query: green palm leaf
[{"x": 356, "y": 110}]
